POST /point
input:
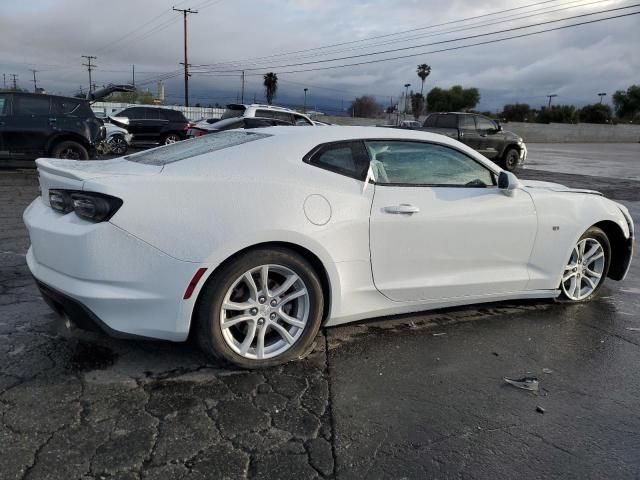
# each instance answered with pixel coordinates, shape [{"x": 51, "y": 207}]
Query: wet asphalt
[{"x": 416, "y": 396}]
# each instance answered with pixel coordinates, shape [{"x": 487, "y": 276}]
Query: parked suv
[
  {"x": 149, "y": 124},
  {"x": 267, "y": 111},
  {"x": 482, "y": 134},
  {"x": 38, "y": 125}
]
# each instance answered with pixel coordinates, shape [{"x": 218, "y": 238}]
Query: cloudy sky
[{"x": 285, "y": 36}]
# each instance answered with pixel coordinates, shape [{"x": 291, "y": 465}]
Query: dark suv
[
  {"x": 152, "y": 124},
  {"x": 33, "y": 125}
]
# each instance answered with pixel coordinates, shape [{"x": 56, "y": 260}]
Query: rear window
[
  {"x": 447, "y": 121},
  {"x": 31, "y": 105},
  {"x": 233, "y": 111},
  {"x": 66, "y": 106},
  {"x": 194, "y": 147}
]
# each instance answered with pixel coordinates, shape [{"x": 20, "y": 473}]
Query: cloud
[{"x": 575, "y": 63}]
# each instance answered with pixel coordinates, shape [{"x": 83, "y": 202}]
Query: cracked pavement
[{"x": 414, "y": 396}]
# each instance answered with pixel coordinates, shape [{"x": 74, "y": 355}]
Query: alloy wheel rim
[
  {"x": 70, "y": 154},
  {"x": 583, "y": 273},
  {"x": 118, "y": 145},
  {"x": 170, "y": 139},
  {"x": 264, "y": 312}
]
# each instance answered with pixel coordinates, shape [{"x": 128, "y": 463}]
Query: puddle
[{"x": 90, "y": 356}]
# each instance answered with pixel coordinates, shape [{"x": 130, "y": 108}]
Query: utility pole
[
  {"x": 15, "y": 83},
  {"x": 305, "y": 100},
  {"x": 242, "y": 95},
  {"x": 601, "y": 95},
  {"x": 406, "y": 98},
  {"x": 4, "y": 81},
  {"x": 133, "y": 75},
  {"x": 550, "y": 97},
  {"x": 89, "y": 67},
  {"x": 35, "y": 82},
  {"x": 185, "y": 12}
]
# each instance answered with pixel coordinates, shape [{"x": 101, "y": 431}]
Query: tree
[
  {"x": 452, "y": 100},
  {"x": 270, "y": 86},
  {"x": 557, "y": 114},
  {"x": 627, "y": 103},
  {"x": 417, "y": 104},
  {"x": 365, "y": 107},
  {"x": 595, "y": 113},
  {"x": 423, "y": 71},
  {"x": 516, "y": 112}
]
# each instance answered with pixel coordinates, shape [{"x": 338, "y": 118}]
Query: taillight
[{"x": 95, "y": 207}]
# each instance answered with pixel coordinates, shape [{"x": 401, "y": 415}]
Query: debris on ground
[
  {"x": 539, "y": 409},
  {"x": 439, "y": 334},
  {"x": 633, "y": 329},
  {"x": 495, "y": 354},
  {"x": 524, "y": 383},
  {"x": 548, "y": 371}
]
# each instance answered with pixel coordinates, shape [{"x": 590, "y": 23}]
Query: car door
[
  {"x": 441, "y": 229},
  {"x": 491, "y": 138},
  {"x": 136, "y": 118},
  {"x": 5, "y": 119},
  {"x": 30, "y": 126},
  {"x": 468, "y": 133},
  {"x": 155, "y": 123}
]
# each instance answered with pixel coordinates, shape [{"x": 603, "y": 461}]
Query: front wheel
[
  {"x": 510, "y": 159},
  {"x": 262, "y": 309},
  {"x": 587, "y": 267},
  {"x": 118, "y": 145}
]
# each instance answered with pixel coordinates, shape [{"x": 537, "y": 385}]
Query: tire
[
  {"x": 171, "y": 138},
  {"x": 510, "y": 159},
  {"x": 118, "y": 145},
  {"x": 576, "y": 268},
  {"x": 70, "y": 150},
  {"x": 230, "y": 287}
]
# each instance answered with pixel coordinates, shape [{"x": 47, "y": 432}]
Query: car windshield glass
[{"x": 194, "y": 147}]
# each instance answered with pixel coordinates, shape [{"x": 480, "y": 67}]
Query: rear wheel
[
  {"x": 587, "y": 267},
  {"x": 510, "y": 159},
  {"x": 70, "y": 150},
  {"x": 171, "y": 138},
  {"x": 262, "y": 309}
]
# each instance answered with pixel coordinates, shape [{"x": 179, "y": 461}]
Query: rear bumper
[{"x": 98, "y": 271}]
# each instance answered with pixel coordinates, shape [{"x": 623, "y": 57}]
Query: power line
[
  {"x": 401, "y": 32},
  {"x": 469, "y": 37}
]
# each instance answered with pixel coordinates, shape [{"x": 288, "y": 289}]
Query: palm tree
[
  {"x": 270, "y": 86},
  {"x": 423, "y": 72}
]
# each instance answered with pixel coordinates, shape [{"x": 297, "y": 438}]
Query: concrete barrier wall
[{"x": 539, "y": 132}]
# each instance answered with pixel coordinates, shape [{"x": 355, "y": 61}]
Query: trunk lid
[{"x": 72, "y": 174}]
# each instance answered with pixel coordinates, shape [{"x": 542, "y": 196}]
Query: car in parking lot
[
  {"x": 251, "y": 240},
  {"x": 482, "y": 134},
  {"x": 267, "y": 111},
  {"x": 204, "y": 127},
  {"x": 39, "y": 125},
  {"x": 150, "y": 124}
]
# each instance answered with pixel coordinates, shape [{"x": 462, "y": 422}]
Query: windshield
[{"x": 194, "y": 147}]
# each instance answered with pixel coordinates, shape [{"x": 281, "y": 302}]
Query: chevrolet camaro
[{"x": 251, "y": 240}]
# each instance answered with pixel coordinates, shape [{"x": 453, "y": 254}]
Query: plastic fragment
[
  {"x": 539, "y": 409},
  {"x": 633, "y": 329},
  {"x": 548, "y": 371},
  {"x": 524, "y": 383},
  {"x": 438, "y": 334}
]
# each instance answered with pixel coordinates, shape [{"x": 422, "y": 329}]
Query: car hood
[
  {"x": 509, "y": 134},
  {"x": 555, "y": 187}
]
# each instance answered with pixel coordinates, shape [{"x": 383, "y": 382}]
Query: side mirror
[
  {"x": 508, "y": 183},
  {"x": 499, "y": 129}
]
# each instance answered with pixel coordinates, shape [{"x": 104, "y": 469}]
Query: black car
[
  {"x": 37, "y": 125},
  {"x": 152, "y": 124},
  {"x": 207, "y": 126}
]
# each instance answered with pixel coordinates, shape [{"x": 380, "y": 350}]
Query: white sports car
[{"x": 254, "y": 239}]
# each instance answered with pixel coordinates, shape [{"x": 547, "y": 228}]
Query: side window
[
  {"x": 265, "y": 114},
  {"x": 4, "y": 105},
  {"x": 151, "y": 114},
  {"x": 447, "y": 121},
  {"x": 345, "y": 158},
  {"x": 426, "y": 164},
  {"x": 467, "y": 122},
  {"x": 301, "y": 121},
  {"x": 484, "y": 124},
  {"x": 31, "y": 105},
  {"x": 133, "y": 113},
  {"x": 430, "y": 121},
  {"x": 64, "y": 106}
]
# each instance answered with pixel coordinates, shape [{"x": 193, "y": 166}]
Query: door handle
[
  {"x": 402, "y": 209},
  {"x": 53, "y": 120}
]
